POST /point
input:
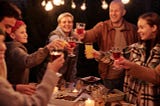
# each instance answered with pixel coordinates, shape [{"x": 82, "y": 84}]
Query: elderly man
[{"x": 115, "y": 32}]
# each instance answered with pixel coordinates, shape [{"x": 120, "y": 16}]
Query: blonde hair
[
  {"x": 3, "y": 69},
  {"x": 64, "y": 15}
]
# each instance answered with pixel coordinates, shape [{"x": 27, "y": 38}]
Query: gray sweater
[
  {"x": 9, "y": 97},
  {"x": 19, "y": 61}
]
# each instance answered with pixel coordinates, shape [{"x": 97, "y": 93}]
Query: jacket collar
[{"x": 124, "y": 28}]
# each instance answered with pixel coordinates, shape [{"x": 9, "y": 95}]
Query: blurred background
[{"x": 41, "y": 22}]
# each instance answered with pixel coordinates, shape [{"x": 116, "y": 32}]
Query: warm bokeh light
[
  {"x": 62, "y": 2},
  {"x": 125, "y": 1},
  {"x": 57, "y": 2},
  {"x": 104, "y": 5},
  {"x": 83, "y": 6},
  {"x": 49, "y": 6},
  {"x": 43, "y": 3},
  {"x": 73, "y": 5}
]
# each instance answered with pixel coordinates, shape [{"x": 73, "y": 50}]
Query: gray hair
[{"x": 64, "y": 15}]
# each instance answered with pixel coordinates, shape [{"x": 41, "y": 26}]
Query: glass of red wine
[
  {"x": 72, "y": 42},
  {"x": 54, "y": 54},
  {"x": 116, "y": 54},
  {"x": 80, "y": 28}
]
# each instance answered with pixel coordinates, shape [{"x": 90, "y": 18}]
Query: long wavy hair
[
  {"x": 3, "y": 69},
  {"x": 152, "y": 19}
]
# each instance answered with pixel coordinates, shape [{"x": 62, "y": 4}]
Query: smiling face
[
  {"x": 146, "y": 31},
  {"x": 7, "y": 23},
  {"x": 20, "y": 34},
  {"x": 116, "y": 12},
  {"x": 66, "y": 24}
]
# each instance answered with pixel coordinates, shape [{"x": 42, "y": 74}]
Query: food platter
[{"x": 91, "y": 79}]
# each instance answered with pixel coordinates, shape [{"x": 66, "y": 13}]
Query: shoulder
[{"x": 4, "y": 83}]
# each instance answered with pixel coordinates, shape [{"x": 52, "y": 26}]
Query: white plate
[{"x": 90, "y": 79}]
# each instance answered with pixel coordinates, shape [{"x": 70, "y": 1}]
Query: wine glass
[
  {"x": 116, "y": 54},
  {"x": 80, "y": 27},
  {"x": 72, "y": 42},
  {"x": 55, "y": 53}
]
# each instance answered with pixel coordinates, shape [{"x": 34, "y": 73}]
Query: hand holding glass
[
  {"x": 72, "y": 42},
  {"x": 116, "y": 54},
  {"x": 80, "y": 28},
  {"x": 89, "y": 50},
  {"x": 54, "y": 54}
]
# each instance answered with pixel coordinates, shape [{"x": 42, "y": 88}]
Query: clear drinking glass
[
  {"x": 116, "y": 54},
  {"x": 54, "y": 54},
  {"x": 89, "y": 50},
  {"x": 80, "y": 27},
  {"x": 72, "y": 42}
]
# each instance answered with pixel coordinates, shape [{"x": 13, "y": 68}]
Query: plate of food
[{"x": 90, "y": 79}]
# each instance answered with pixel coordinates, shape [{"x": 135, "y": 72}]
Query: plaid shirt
[{"x": 137, "y": 91}]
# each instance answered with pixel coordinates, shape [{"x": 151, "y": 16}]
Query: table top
[{"x": 97, "y": 92}]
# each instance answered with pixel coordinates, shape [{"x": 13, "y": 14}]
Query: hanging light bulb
[
  {"x": 73, "y": 5},
  {"x": 83, "y": 6},
  {"x": 125, "y": 1},
  {"x": 57, "y": 2},
  {"x": 104, "y": 5},
  {"x": 49, "y": 6},
  {"x": 62, "y": 2},
  {"x": 43, "y": 3}
]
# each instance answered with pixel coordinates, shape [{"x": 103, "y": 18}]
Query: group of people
[
  {"x": 138, "y": 75},
  {"x": 8, "y": 96}
]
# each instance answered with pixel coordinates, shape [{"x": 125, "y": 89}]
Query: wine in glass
[
  {"x": 54, "y": 54},
  {"x": 72, "y": 42},
  {"x": 116, "y": 54},
  {"x": 80, "y": 27}
]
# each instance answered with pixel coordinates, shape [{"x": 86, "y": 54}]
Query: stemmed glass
[
  {"x": 72, "y": 42},
  {"x": 116, "y": 54},
  {"x": 80, "y": 27},
  {"x": 55, "y": 53}
]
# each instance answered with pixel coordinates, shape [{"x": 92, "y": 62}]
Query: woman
[{"x": 141, "y": 79}]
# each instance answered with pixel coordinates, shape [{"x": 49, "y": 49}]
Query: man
[
  {"x": 9, "y": 13},
  {"x": 115, "y": 32},
  {"x": 63, "y": 31}
]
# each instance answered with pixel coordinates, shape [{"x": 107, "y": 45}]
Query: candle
[
  {"x": 89, "y": 102},
  {"x": 75, "y": 91}
]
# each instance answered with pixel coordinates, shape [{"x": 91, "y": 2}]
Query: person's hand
[
  {"x": 57, "y": 44},
  {"x": 124, "y": 63},
  {"x": 26, "y": 89},
  {"x": 56, "y": 64},
  {"x": 79, "y": 36},
  {"x": 96, "y": 54}
]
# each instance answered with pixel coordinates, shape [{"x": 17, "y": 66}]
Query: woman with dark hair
[{"x": 142, "y": 79}]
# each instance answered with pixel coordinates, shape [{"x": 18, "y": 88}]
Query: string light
[
  {"x": 104, "y": 5},
  {"x": 62, "y": 2},
  {"x": 43, "y": 3},
  {"x": 83, "y": 6},
  {"x": 57, "y": 2},
  {"x": 125, "y": 1},
  {"x": 73, "y": 5},
  {"x": 48, "y": 4}
]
